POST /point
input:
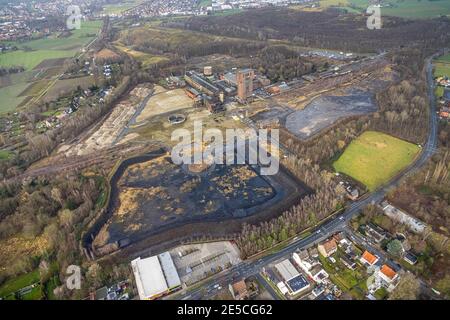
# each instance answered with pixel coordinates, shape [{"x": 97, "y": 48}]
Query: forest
[{"x": 322, "y": 29}]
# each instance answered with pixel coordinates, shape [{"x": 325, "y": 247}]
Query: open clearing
[
  {"x": 9, "y": 96},
  {"x": 115, "y": 125},
  {"x": 42, "y": 59},
  {"x": 165, "y": 102},
  {"x": 146, "y": 58},
  {"x": 415, "y": 9},
  {"x": 374, "y": 158},
  {"x": 442, "y": 69}
]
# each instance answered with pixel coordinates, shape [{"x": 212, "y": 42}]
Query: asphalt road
[{"x": 251, "y": 268}]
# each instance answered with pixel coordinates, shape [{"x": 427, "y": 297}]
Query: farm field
[
  {"x": 120, "y": 7},
  {"x": 9, "y": 96},
  {"x": 445, "y": 58},
  {"x": 414, "y": 9},
  {"x": 20, "y": 282},
  {"x": 30, "y": 59},
  {"x": 51, "y": 47},
  {"x": 442, "y": 69},
  {"x": 43, "y": 60},
  {"x": 374, "y": 158}
]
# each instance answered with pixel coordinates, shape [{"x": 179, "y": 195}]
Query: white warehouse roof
[
  {"x": 149, "y": 277},
  {"x": 155, "y": 276},
  {"x": 170, "y": 272},
  {"x": 287, "y": 270}
]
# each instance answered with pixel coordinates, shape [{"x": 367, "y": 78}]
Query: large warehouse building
[
  {"x": 155, "y": 276},
  {"x": 293, "y": 281}
]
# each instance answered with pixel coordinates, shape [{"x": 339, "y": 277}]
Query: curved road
[{"x": 251, "y": 268}]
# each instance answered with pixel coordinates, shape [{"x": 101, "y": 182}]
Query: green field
[
  {"x": 441, "y": 69},
  {"x": 9, "y": 97},
  {"x": 119, "y": 8},
  {"x": 32, "y": 53},
  {"x": 374, "y": 158},
  {"x": 415, "y": 9},
  {"x": 51, "y": 47},
  {"x": 445, "y": 58},
  {"x": 20, "y": 282},
  {"x": 5, "y": 155}
]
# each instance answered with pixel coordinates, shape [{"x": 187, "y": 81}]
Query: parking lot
[{"x": 198, "y": 261}]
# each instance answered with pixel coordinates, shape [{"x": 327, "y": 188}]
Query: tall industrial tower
[{"x": 244, "y": 80}]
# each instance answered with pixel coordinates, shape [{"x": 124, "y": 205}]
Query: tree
[
  {"x": 395, "y": 247},
  {"x": 407, "y": 289},
  {"x": 94, "y": 275}
]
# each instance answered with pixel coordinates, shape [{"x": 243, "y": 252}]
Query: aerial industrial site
[{"x": 224, "y": 150}]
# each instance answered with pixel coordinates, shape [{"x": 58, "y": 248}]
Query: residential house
[
  {"x": 374, "y": 232},
  {"x": 410, "y": 258},
  {"x": 388, "y": 275},
  {"x": 348, "y": 262},
  {"x": 239, "y": 290},
  {"x": 368, "y": 259},
  {"x": 327, "y": 248},
  {"x": 412, "y": 223},
  {"x": 311, "y": 266}
]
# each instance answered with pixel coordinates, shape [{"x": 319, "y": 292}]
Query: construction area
[
  {"x": 155, "y": 196},
  {"x": 327, "y": 109},
  {"x": 307, "y": 107},
  {"x": 164, "y": 102},
  {"x": 114, "y": 127},
  {"x": 154, "y": 201}
]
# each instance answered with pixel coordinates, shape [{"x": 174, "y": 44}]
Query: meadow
[
  {"x": 441, "y": 69},
  {"x": 146, "y": 59},
  {"x": 35, "y": 54},
  {"x": 120, "y": 7},
  {"x": 414, "y": 9},
  {"x": 374, "y": 158}
]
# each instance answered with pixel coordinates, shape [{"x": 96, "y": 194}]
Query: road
[{"x": 252, "y": 268}]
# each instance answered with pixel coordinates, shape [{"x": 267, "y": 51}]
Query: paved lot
[{"x": 194, "y": 262}]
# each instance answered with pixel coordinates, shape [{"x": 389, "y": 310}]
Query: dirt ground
[
  {"x": 110, "y": 130},
  {"x": 326, "y": 110},
  {"x": 165, "y": 102},
  {"x": 157, "y": 194}
]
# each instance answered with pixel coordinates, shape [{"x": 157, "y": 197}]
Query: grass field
[
  {"x": 415, "y": 9},
  {"x": 374, "y": 158},
  {"x": 445, "y": 58},
  {"x": 120, "y": 7},
  {"x": 18, "y": 283},
  {"x": 441, "y": 69},
  {"x": 51, "y": 47},
  {"x": 145, "y": 58},
  {"x": 30, "y": 59},
  {"x": 5, "y": 155},
  {"x": 9, "y": 97},
  {"x": 37, "y": 53}
]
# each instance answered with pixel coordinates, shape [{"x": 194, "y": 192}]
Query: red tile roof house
[
  {"x": 368, "y": 259},
  {"x": 389, "y": 277}
]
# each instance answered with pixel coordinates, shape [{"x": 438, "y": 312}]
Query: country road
[{"x": 251, "y": 268}]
